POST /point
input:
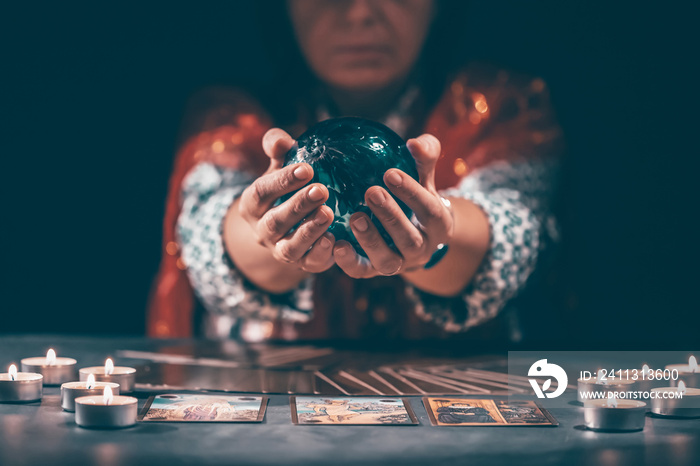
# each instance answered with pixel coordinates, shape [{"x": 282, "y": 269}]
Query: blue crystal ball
[{"x": 348, "y": 156}]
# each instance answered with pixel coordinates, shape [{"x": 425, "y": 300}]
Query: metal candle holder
[
  {"x": 24, "y": 387},
  {"x": 592, "y": 385},
  {"x": 687, "y": 406},
  {"x": 124, "y": 376},
  {"x": 72, "y": 390},
  {"x": 688, "y": 373},
  {"x": 625, "y": 416},
  {"x": 56, "y": 373},
  {"x": 93, "y": 412}
]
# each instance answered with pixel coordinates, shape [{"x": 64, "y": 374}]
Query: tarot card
[
  {"x": 177, "y": 407},
  {"x": 309, "y": 410},
  {"x": 328, "y": 386},
  {"x": 196, "y": 377},
  {"x": 525, "y": 413},
  {"x": 463, "y": 412},
  {"x": 348, "y": 384},
  {"x": 486, "y": 412},
  {"x": 367, "y": 384}
]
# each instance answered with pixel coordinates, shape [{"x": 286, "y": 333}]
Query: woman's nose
[{"x": 361, "y": 11}]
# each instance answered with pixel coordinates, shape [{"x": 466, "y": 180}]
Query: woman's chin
[{"x": 361, "y": 80}]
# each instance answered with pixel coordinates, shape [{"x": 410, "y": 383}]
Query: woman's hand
[
  {"x": 416, "y": 243},
  {"x": 309, "y": 247}
]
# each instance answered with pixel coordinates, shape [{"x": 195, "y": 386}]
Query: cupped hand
[
  {"x": 417, "y": 240},
  {"x": 309, "y": 246}
]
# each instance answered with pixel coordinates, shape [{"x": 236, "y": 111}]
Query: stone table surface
[{"x": 41, "y": 433}]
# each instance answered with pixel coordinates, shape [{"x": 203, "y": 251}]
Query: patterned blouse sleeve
[
  {"x": 208, "y": 192},
  {"x": 502, "y": 126},
  {"x": 514, "y": 197}
]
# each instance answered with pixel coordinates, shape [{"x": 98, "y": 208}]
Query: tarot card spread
[
  {"x": 204, "y": 408},
  {"x": 309, "y": 410},
  {"x": 475, "y": 412}
]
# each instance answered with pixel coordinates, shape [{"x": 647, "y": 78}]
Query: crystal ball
[{"x": 348, "y": 156}]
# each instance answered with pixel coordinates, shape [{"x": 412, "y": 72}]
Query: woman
[{"x": 485, "y": 134}]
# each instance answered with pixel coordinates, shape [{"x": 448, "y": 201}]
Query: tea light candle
[
  {"x": 55, "y": 370},
  {"x": 614, "y": 415},
  {"x": 124, "y": 376},
  {"x": 18, "y": 387},
  {"x": 687, "y": 406},
  {"x": 602, "y": 384},
  {"x": 646, "y": 379},
  {"x": 72, "y": 390},
  {"x": 688, "y": 373},
  {"x": 106, "y": 411}
]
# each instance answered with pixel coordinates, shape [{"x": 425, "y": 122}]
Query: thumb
[
  {"x": 426, "y": 150},
  {"x": 276, "y": 143}
]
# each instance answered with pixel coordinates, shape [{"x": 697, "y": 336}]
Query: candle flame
[
  {"x": 50, "y": 357},
  {"x": 693, "y": 363},
  {"x": 13, "y": 372},
  {"x": 600, "y": 377},
  {"x": 109, "y": 366},
  {"x": 645, "y": 369},
  {"x": 90, "y": 381},
  {"x": 612, "y": 402},
  {"x": 681, "y": 387},
  {"x": 108, "y": 397}
]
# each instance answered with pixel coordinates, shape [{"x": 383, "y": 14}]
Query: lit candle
[
  {"x": 646, "y": 379},
  {"x": 106, "y": 411},
  {"x": 124, "y": 376},
  {"x": 614, "y": 415},
  {"x": 55, "y": 370},
  {"x": 18, "y": 387},
  {"x": 688, "y": 373},
  {"x": 687, "y": 405},
  {"x": 72, "y": 390},
  {"x": 603, "y": 383}
]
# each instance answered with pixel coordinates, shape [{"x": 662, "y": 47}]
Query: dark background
[{"x": 93, "y": 98}]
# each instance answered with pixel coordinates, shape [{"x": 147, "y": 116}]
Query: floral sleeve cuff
[
  {"x": 208, "y": 192},
  {"x": 513, "y": 197}
]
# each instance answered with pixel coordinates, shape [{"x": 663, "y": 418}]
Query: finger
[
  {"x": 259, "y": 197},
  {"x": 292, "y": 247},
  {"x": 426, "y": 150},
  {"x": 383, "y": 259},
  {"x": 407, "y": 238},
  {"x": 320, "y": 257},
  {"x": 434, "y": 217},
  {"x": 276, "y": 143},
  {"x": 277, "y": 222},
  {"x": 350, "y": 262}
]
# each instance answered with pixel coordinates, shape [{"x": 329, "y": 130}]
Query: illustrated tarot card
[
  {"x": 525, "y": 413},
  {"x": 462, "y": 412},
  {"x": 332, "y": 410},
  {"x": 176, "y": 407},
  {"x": 444, "y": 411}
]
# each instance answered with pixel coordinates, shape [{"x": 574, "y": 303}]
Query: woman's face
[{"x": 361, "y": 45}]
